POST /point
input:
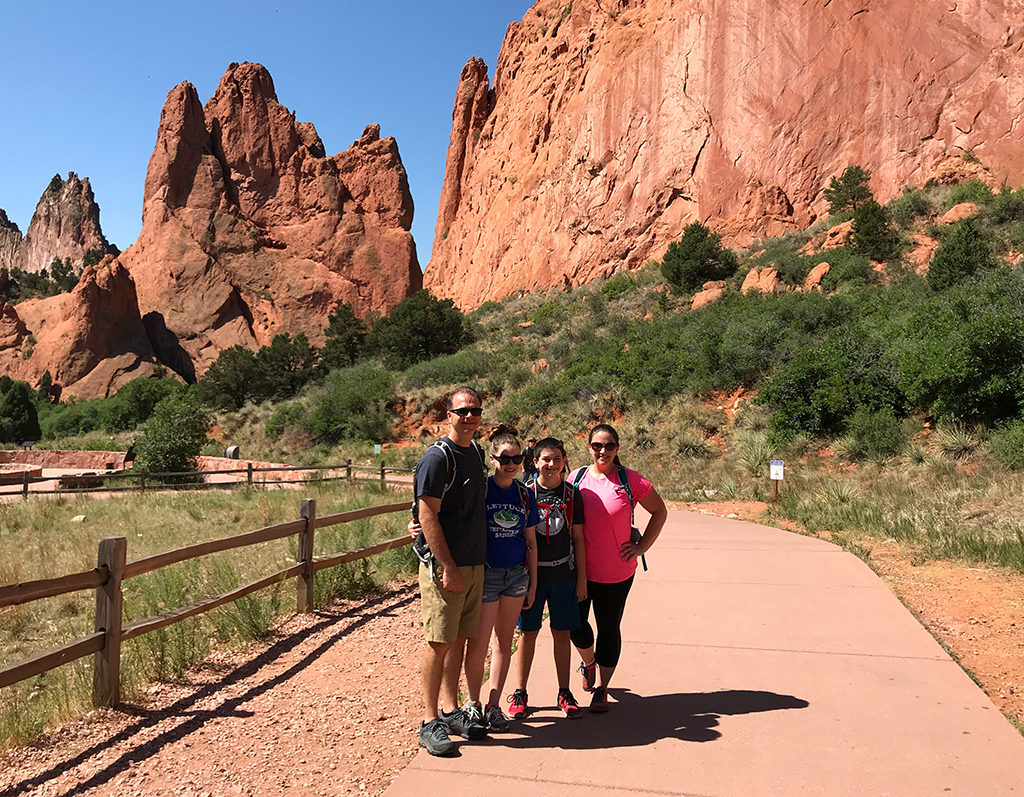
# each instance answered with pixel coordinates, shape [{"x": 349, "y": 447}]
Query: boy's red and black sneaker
[
  {"x": 589, "y": 672},
  {"x": 517, "y": 709},
  {"x": 568, "y": 704}
]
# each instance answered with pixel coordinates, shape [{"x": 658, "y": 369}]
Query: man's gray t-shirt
[{"x": 463, "y": 514}]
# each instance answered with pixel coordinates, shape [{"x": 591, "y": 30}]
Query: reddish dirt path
[{"x": 327, "y": 706}]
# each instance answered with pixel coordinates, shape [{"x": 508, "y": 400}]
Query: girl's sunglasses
[
  {"x": 508, "y": 459},
  {"x": 603, "y": 446},
  {"x": 462, "y": 412}
]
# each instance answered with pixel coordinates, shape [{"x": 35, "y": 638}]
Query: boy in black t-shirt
[{"x": 561, "y": 575}]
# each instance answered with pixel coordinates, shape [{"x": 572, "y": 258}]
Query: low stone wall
[{"x": 98, "y": 460}]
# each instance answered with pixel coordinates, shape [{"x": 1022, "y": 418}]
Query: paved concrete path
[{"x": 755, "y": 662}]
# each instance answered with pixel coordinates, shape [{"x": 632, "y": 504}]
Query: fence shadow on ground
[
  {"x": 636, "y": 720},
  {"x": 192, "y": 718}
]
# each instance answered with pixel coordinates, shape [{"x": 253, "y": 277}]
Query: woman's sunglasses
[
  {"x": 603, "y": 446},
  {"x": 508, "y": 459},
  {"x": 462, "y": 412}
]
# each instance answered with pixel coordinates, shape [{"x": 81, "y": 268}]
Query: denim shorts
[
  {"x": 511, "y": 582},
  {"x": 563, "y": 607}
]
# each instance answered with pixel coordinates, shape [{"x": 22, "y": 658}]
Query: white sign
[
  {"x": 775, "y": 470},
  {"x": 376, "y": 450}
]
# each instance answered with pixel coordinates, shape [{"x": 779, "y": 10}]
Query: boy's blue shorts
[{"x": 563, "y": 608}]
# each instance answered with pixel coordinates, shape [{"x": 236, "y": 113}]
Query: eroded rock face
[
  {"x": 91, "y": 340},
  {"x": 610, "y": 126},
  {"x": 10, "y": 239},
  {"x": 66, "y": 224},
  {"x": 250, "y": 230}
]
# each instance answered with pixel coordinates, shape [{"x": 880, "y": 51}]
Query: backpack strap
[
  {"x": 524, "y": 499},
  {"x": 577, "y": 477},
  {"x": 624, "y": 482}
]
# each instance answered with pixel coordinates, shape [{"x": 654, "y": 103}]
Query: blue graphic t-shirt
[{"x": 506, "y": 521}]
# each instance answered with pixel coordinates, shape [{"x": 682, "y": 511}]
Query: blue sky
[{"x": 83, "y": 84}]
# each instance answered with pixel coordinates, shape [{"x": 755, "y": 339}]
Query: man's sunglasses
[
  {"x": 508, "y": 459},
  {"x": 603, "y": 446},
  {"x": 462, "y": 412}
]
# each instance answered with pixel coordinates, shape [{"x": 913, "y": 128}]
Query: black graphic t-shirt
[{"x": 554, "y": 536}]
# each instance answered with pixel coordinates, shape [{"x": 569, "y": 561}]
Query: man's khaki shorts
[{"x": 449, "y": 615}]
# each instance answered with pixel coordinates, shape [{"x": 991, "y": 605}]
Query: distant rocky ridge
[
  {"x": 612, "y": 124},
  {"x": 249, "y": 230},
  {"x": 66, "y": 224}
]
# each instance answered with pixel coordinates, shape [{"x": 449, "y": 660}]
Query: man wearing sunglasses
[{"x": 451, "y": 488}]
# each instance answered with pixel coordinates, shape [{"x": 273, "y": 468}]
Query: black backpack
[{"x": 419, "y": 545}]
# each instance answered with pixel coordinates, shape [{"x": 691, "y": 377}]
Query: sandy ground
[{"x": 329, "y": 704}]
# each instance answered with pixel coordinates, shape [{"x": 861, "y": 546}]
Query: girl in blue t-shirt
[{"x": 510, "y": 576}]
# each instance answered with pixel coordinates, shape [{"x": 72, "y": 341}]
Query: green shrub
[
  {"x": 1007, "y": 444},
  {"x": 964, "y": 252},
  {"x": 696, "y": 258},
  {"x": 875, "y": 435},
  {"x": 873, "y": 235},
  {"x": 284, "y": 367},
  {"x": 846, "y": 267},
  {"x": 1007, "y": 206},
  {"x": 910, "y": 205},
  {"x": 973, "y": 190},
  {"x": 465, "y": 367},
  {"x": 418, "y": 328},
  {"x": 618, "y": 285},
  {"x": 355, "y": 406},
  {"x": 132, "y": 405},
  {"x": 173, "y": 436},
  {"x": 822, "y": 386},
  {"x": 231, "y": 379},
  {"x": 19, "y": 420},
  {"x": 961, "y": 351}
]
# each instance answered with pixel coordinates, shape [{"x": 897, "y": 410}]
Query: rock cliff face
[
  {"x": 66, "y": 224},
  {"x": 250, "y": 230},
  {"x": 91, "y": 340},
  {"x": 10, "y": 239},
  {"x": 611, "y": 124}
]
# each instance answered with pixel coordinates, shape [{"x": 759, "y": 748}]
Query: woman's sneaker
[
  {"x": 459, "y": 723},
  {"x": 475, "y": 713},
  {"x": 495, "y": 720},
  {"x": 589, "y": 672},
  {"x": 599, "y": 702},
  {"x": 568, "y": 704},
  {"x": 518, "y": 708},
  {"x": 434, "y": 736}
]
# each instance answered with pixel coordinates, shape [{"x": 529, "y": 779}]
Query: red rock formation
[
  {"x": 709, "y": 292},
  {"x": 959, "y": 212},
  {"x": 66, "y": 224},
  {"x": 91, "y": 340},
  {"x": 249, "y": 230},
  {"x": 762, "y": 280},
  {"x": 10, "y": 239},
  {"x": 612, "y": 125},
  {"x": 813, "y": 280}
]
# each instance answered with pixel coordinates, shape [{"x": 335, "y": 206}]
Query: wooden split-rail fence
[{"x": 104, "y": 644}]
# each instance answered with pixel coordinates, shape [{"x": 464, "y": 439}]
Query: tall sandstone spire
[
  {"x": 249, "y": 229},
  {"x": 612, "y": 124}
]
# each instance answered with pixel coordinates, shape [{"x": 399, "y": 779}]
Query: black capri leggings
[{"x": 609, "y": 601}]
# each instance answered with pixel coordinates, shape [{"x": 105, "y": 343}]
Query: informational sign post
[
  {"x": 775, "y": 468},
  {"x": 376, "y": 450}
]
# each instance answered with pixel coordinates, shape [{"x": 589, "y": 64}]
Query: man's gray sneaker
[
  {"x": 459, "y": 723},
  {"x": 434, "y": 736},
  {"x": 495, "y": 719}
]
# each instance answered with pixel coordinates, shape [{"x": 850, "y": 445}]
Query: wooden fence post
[
  {"x": 348, "y": 468},
  {"x": 304, "y": 581},
  {"x": 24, "y": 484},
  {"x": 142, "y": 481},
  {"x": 383, "y": 482},
  {"x": 106, "y": 675},
  {"x": 248, "y": 475}
]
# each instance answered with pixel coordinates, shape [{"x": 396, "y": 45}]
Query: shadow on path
[
  {"x": 636, "y": 721},
  {"x": 194, "y": 718}
]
